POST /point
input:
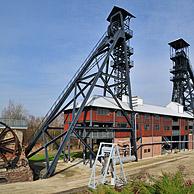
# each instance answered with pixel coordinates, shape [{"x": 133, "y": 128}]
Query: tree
[
  {"x": 18, "y": 112},
  {"x": 14, "y": 111},
  {"x": 33, "y": 123}
]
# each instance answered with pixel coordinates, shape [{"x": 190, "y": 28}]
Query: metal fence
[{"x": 14, "y": 123}]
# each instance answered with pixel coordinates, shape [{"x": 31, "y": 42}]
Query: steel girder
[{"x": 107, "y": 68}]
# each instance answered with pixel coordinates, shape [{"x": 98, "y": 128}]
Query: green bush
[
  {"x": 172, "y": 183},
  {"x": 105, "y": 189},
  {"x": 168, "y": 183}
]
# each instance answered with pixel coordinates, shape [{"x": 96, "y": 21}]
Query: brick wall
[
  {"x": 190, "y": 143},
  {"x": 149, "y": 149},
  {"x": 124, "y": 145},
  {"x": 20, "y": 174}
]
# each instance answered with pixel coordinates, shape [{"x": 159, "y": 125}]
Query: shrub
[
  {"x": 172, "y": 183},
  {"x": 168, "y": 183},
  {"x": 105, "y": 189}
]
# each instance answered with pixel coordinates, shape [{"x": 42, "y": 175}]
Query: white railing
[{"x": 20, "y": 123}]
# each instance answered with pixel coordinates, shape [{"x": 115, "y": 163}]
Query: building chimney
[{"x": 137, "y": 101}]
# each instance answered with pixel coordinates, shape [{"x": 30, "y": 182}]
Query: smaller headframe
[{"x": 178, "y": 44}]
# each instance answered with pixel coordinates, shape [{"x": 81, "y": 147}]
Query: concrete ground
[{"x": 75, "y": 175}]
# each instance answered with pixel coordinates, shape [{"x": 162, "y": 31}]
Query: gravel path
[{"x": 74, "y": 176}]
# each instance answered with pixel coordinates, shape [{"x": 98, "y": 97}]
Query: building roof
[
  {"x": 172, "y": 109},
  {"x": 123, "y": 12},
  {"x": 146, "y": 108},
  {"x": 104, "y": 102},
  {"x": 178, "y": 44}
]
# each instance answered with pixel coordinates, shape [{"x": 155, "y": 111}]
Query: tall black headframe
[
  {"x": 183, "y": 78},
  {"x": 105, "y": 70}
]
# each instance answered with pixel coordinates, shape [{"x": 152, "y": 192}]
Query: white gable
[
  {"x": 176, "y": 107},
  {"x": 172, "y": 109}
]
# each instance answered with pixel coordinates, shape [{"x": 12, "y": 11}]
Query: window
[
  {"x": 102, "y": 111},
  {"x": 157, "y": 116},
  {"x": 167, "y": 128},
  {"x": 156, "y": 127},
  {"x": 122, "y": 125},
  {"x": 175, "y": 119},
  {"x": 146, "y": 116},
  {"x": 119, "y": 113},
  {"x": 146, "y": 127},
  {"x": 167, "y": 118},
  {"x": 186, "y": 128},
  {"x": 190, "y": 127},
  {"x": 146, "y": 150}
]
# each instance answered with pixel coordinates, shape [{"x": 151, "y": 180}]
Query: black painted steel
[
  {"x": 10, "y": 148},
  {"x": 183, "y": 78},
  {"x": 107, "y": 69}
]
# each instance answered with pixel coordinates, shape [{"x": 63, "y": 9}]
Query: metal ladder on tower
[{"x": 108, "y": 154}]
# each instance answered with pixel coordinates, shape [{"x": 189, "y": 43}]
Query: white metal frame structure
[{"x": 111, "y": 152}]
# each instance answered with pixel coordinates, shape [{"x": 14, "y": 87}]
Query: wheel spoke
[
  {"x": 3, "y": 133},
  {"x": 3, "y": 157},
  {"x": 10, "y": 148},
  {"x": 6, "y": 149},
  {"x": 7, "y": 141}
]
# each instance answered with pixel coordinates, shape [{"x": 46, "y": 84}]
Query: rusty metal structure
[
  {"x": 183, "y": 77},
  {"x": 106, "y": 70},
  {"x": 10, "y": 148}
]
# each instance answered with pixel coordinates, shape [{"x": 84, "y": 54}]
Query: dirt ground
[{"x": 75, "y": 175}]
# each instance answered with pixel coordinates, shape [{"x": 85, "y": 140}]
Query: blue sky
[{"x": 43, "y": 43}]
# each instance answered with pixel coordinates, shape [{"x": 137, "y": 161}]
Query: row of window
[
  {"x": 147, "y": 116},
  {"x": 122, "y": 125},
  {"x": 156, "y": 127},
  {"x": 102, "y": 111},
  {"x": 147, "y": 127}
]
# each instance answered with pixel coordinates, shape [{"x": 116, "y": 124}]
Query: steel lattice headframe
[
  {"x": 107, "y": 70},
  {"x": 183, "y": 78}
]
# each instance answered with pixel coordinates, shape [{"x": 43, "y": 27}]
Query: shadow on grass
[
  {"x": 38, "y": 166},
  {"x": 63, "y": 170}
]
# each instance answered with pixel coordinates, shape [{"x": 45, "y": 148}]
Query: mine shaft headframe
[
  {"x": 183, "y": 78},
  {"x": 120, "y": 19},
  {"x": 97, "y": 72},
  {"x": 117, "y": 19}
]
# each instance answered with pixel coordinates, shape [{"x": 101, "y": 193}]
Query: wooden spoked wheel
[{"x": 10, "y": 148}]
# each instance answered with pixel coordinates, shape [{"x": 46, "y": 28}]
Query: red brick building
[{"x": 157, "y": 128}]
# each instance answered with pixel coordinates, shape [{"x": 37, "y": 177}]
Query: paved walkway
[{"x": 73, "y": 176}]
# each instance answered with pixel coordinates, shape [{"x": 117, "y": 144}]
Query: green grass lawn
[{"x": 39, "y": 157}]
